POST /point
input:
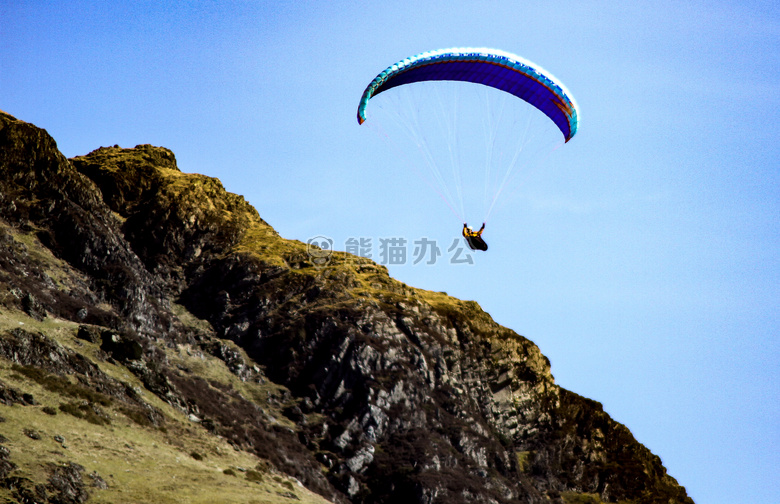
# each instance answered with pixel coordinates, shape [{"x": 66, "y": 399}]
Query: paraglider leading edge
[{"x": 490, "y": 67}]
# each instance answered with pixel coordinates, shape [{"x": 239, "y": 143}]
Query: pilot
[{"x": 474, "y": 238}]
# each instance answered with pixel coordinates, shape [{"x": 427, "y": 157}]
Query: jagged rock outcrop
[{"x": 389, "y": 393}]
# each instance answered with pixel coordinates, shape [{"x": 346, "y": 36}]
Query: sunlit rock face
[{"x": 181, "y": 310}]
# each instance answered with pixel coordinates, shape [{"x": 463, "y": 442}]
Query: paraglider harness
[{"x": 474, "y": 238}]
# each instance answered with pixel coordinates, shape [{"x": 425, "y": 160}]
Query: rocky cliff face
[{"x": 147, "y": 308}]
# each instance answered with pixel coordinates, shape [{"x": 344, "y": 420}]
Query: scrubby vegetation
[{"x": 118, "y": 444}]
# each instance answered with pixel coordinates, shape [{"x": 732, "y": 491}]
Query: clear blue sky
[{"x": 643, "y": 258}]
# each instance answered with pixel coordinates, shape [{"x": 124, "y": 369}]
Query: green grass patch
[
  {"x": 86, "y": 411},
  {"x": 581, "y": 498},
  {"x": 137, "y": 415},
  {"x": 61, "y": 385},
  {"x": 586, "y": 498},
  {"x": 137, "y": 463},
  {"x": 523, "y": 460},
  {"x": 254, "y": 476}
]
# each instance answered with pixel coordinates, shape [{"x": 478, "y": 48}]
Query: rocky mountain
[{"x": 160, "y": 342}]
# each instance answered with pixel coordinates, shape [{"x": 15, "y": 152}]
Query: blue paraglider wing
[{"x": 490, "y": 67}]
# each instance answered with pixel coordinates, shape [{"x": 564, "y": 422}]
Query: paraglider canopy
[
  {"x": 469, "y": 121},
  {"x": 490, "y": 67}
]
